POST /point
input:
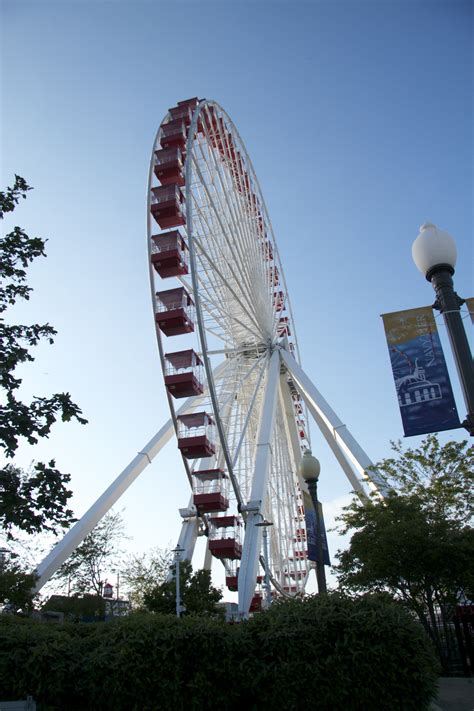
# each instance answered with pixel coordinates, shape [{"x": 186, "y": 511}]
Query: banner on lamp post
[
  {"x": 424, "y": 391},
  {"x": 311, "y": 528}
]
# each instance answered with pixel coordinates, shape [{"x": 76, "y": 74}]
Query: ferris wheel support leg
[
  {"x": 254, "y": 508},
  {"x": 207, "y": 565},
  {"x": 104, "y": 503},
  {"x": 352, "y": 458}
]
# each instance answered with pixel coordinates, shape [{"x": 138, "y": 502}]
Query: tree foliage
[
  {"x": 142, "y": 573},
  {"x": 198, "y": 596},
  {"x": 417, "y": 544},
  {"x": 86, "y": 568},
  {"x": 36, "y": 500},
  {"x": 33, "y": 501},
  {"x": 16, "y": 586}
]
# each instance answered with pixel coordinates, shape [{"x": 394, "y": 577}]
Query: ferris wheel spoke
[
  {"x": 248, "y": 416},
  {"x": 253, "y": 259},
  {"x": 225, "y": 212},
  {"x": 222, "y": 317},
  {"x": 229, "y": 288},
  {"x": 228, "y": 185},
  {"x": 242, "y": 222},
  {"x": 206, "y": 212},
  {"x": 222, "y": 285},
  {"x": 220, "y": 255}
]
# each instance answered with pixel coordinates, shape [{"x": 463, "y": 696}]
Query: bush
[{"x": 332, "y": 652}]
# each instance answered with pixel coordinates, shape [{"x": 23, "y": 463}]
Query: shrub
[{"x": 332, "y": 652}]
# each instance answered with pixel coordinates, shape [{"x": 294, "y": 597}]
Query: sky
[{"x": 358, "y": 119}]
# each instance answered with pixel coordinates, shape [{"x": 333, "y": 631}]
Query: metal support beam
[
  {"x": 254, "y": 508},
  {"x": 104, "y": 503},
  {"x": 350, "y": 455},
  {"x": 188, "y": 536}
]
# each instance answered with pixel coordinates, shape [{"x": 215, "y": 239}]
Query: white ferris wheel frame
[{"x": 276, "y": 375}]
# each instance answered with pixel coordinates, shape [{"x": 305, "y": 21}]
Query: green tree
[
  {"x": 198, "y": 596},
  {"x": 142, "y": 573},
  {"x": 15, "y": 584},
  {"x": 100, "y": 552},
  {"x": 416, "y": 544},
  {"x": 35, "y": 500}
]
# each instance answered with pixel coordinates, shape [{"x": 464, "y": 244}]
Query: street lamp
[
  {"x": 177, "y": 559},
  {"x": 268, "y": 592},
  {"x": 434, "y": 253},
  {"x": 310, "y": 470}
]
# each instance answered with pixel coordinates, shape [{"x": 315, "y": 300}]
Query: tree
[
  {"x": 198, "y": 596},
  {"x": 100, "y": 552},
  {"x": 16, "y": 585},
  {"x": 36, "y": 500},
  {"x": 143, "y": 573},
  {"x": 416, "y": 544}
]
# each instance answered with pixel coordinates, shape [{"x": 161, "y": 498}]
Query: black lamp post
[
  {"x": 310, "y": 470},
  {"x": 434, "y": 253}
]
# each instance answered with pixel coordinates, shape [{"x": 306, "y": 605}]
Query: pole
[
  {"x": 268, "y": 592},
  {"x": 320, "y": 572},
  {"x": 177, "y": 559},
  {"x": 449, "y": 304}
]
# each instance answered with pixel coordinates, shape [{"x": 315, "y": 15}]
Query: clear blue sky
[{"x": 358, "y": 119}]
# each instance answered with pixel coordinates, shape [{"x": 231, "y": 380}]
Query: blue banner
[
  {"x": 424, "y": 392},
  {"x": 310, "y": 517}
]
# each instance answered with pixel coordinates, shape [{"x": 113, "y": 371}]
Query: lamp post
[
  {"x": 434, "y": 253},
  {"x": 310, "y": 470},
  {"x": 268, "y": 591},
  {"x": 177, "y": 559}
]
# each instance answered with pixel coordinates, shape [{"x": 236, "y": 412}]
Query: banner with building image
[{"x": 424, "y": 391}]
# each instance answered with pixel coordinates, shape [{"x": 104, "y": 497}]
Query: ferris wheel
[{"x": 226, "y": 335}]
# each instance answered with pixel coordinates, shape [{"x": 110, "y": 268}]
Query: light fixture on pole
[
  {"x": 268, "y": 591},
  {"x": 177, "y": 560},
  {"x": 434, "y": 253},
  {"x": 310, "y": 470}
]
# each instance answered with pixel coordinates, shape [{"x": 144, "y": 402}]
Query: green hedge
[{"x": 330, "y": 652}]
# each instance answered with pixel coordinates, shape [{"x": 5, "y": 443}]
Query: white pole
[
  {"x": 268, "y": 590},
  {"x": 178, "y": 592}
]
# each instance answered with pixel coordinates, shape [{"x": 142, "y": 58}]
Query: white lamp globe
[
  {"x": 309, "y": 466},
  {"x": 433, "y": 247}
]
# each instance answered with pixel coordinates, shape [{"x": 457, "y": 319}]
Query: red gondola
[
  {"x": 175, "y": 313},
  {"x": 168, "y": 166},
  {"x": 169, "y": 254},
  {"x": 183, "y": 374},
  {"x": 210, "y": 491},
  {"x": 167, "y": 206},
  {"x": 196, "y": 435},
  {"x": 224, "y": 537}
]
